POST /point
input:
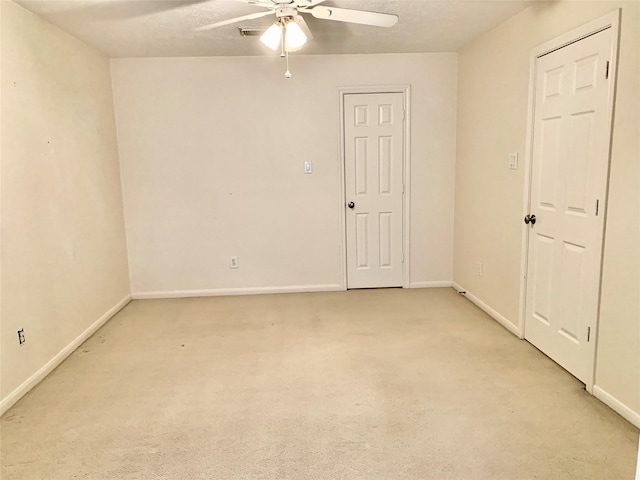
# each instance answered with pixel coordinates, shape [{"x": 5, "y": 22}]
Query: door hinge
[
  {"x": 403, "y": 188},
  {"x": 606, "y": 73},
  {"x": 402, "y": 257},
  {"x": 597, "y": 207},
  {"x": 588, "y": 334}
]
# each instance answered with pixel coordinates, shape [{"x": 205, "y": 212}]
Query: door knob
[
  {"x": 532, "y": 219},
  {"x": 351, "y": 204},
  {"x": 527, "y": 219}
]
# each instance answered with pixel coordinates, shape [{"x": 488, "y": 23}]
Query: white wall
[
  {"x": 212, "y": 153},
  {"x": 492, "y": 117},
  {"x": 64, "y": 260}
]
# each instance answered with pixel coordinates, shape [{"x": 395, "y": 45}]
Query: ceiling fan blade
[
  {"x": 259, "y": 3},
  {"x": 308, "y": 3},
  {"x": 353, "y": 16},
  {"x": 303, "y": 25},
  {"x": 251, "y": 16},
  {"x": 109, "y": 10}
]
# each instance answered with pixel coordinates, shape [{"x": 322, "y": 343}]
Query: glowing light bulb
[
  {"x": 294, "y": 37},
  {"x": 271, "y": 38}
]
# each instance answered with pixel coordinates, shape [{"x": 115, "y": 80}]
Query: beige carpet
[{"x": 370, "y": 384}]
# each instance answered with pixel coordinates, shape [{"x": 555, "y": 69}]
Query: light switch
[
  {"x": 513, "y": 161},
  {"x": 307, "y": 167}
]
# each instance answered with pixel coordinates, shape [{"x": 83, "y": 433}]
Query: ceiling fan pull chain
[
  {"x": 287, "y": 74},
  {"x": 282, "y": 40}
]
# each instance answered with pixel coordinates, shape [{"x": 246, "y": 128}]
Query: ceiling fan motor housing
[{"x": 286, "y": 12}]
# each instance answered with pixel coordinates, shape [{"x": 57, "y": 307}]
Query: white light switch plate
[{"x": 308, "y": 168}]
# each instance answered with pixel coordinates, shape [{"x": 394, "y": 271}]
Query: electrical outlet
[
  {"x": 479, "y": 269},
  {"x": 21, "y": 336},
  {"x": 513, "y": 161},
  {"x": 233, "y": 262}
]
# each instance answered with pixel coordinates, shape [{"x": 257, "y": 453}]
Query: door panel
[
  {"x": 579, "y": 161},
  {"x": 550, "y": 146},
  {"x": 362, "y": 240},
  {"x": 568, "y": 179},
  {"x": 385, "y": 235},
  {"x": 374, "y": 145},
  {"x": 542, "y": 261},
  {"x": 384, "y": 175}
]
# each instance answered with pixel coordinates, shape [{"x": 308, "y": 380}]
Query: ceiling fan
[{"x": 291, "y": 32}]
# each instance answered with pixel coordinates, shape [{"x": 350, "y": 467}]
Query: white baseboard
[
  {"x": 218, "y": 292},
  {"x": 617, "y": 405},
  {"x": 502, "y": 320},
  {"x": 47, "y": 368},
  {"x": 598, "y": 392},
  {"x": 441, "y": 284}
]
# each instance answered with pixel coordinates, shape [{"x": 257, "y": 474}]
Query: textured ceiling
[{"x": 163, "y": 28}]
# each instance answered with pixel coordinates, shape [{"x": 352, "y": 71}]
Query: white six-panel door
[
  {"x": 374, "y": 136},
  {"x": 568, "y": 187}
]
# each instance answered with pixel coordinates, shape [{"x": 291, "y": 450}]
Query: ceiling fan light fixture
[
  {"x": 271, "y": 38},
  {"x": 294, "y": 37}
]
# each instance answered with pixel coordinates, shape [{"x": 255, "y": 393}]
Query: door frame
[
  {"x": 406, "y": 168},
  {"x": 609, "y": 20}
]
